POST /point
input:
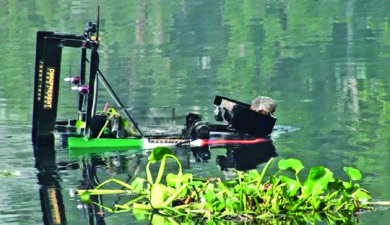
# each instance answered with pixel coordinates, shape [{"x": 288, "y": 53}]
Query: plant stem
[
  {"x": 386, "y": 203},
  {"x": 134, "y": 200},
  {"x": 162, "y": 167},
  {"x": 263, "y": 172},
  {"x": 174, "y": 196},
  {"x": 148, "y": 173},
  {"x": 142, "y": 206},
  {"x": 103, "y": 192},
  {"x": 299, "y": 203},
  {"x": 124, "y": 184}
]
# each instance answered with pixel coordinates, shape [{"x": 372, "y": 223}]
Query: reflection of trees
[
  {"x": 184, "y": 52},
  {"x": 311, "y": 54},
  {"x": 189, "y": 46},
  {"x": 350, "y": 83}
]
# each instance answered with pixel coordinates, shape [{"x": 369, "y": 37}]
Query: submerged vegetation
[
  {"x": 250, "y": 196},
  {"x": 6, "y": 173}
]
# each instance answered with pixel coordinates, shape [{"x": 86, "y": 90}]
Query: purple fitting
[
  {"x": 84, "y": 89},
  {"x": 75, "y": 80}
]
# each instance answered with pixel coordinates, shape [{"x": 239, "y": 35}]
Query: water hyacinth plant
[{"x": 247, "y": 197}]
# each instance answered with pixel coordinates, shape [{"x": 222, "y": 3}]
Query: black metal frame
[
  {"x": 47, "y": 79},
  {"x": 242, "y": 121},
  {"x": 245, "y": 120}
]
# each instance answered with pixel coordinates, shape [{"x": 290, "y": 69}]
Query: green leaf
[
  {"x": 174, "y": 180},
  {"x": 291, "y": 187},
  {"x": 317, "y": 181},
  {"x": 171, "y": 179},
  {"x": 315, "y": 202},
  {"x": 353, "y": 173},
  {"x": 361, "y": 195},
  {"x": 220, "y": 206},
  {"x": 233, "y": 204},
  {"x": 347, "y": 185},
  {"x": 275, "y": 205},
  {"x": 159, "y": 220},
  {"x": 138, "y": 184},
  {"x": 230, "y": 183},
  {"x": 209, "y": 193},
  {"x": 252, "y": 175},
  {"x": 196, "y": 184},
  {"x": 158, "y": 194},
  {"x": 290, "y": 164},
  {"x": 140, "y": 214},
  {"x": 336, "y": 185},
  {"x": 158, "y": 153},
  {"x": 274, "y": 180},
  {"x": 250, "y": 188}
]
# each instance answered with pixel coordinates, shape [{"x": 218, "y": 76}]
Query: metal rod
[
  {"x": 92, "y": 93},
  {"x": 116, "y": 99},
  {"x": 82, "y": 77}
]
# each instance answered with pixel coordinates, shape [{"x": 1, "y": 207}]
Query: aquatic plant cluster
[{"x": 248, "y": 197}]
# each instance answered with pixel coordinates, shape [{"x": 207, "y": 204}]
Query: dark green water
[{"x": 324, "y": 62}]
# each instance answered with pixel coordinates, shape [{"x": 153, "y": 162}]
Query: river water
[{"x": 324, "y": 62}]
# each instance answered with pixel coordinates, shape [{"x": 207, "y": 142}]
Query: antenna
[{"x": 98, "y": 24}]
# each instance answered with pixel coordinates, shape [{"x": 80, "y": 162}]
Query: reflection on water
[
  {"x": 325, "y": 62},
  {"x": 246, "y": 157},
  {"x": 94, "y": 168},
  {"x": 50, "y": 191}
]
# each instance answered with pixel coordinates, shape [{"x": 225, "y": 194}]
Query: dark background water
[{"x": 324, "y": 62}]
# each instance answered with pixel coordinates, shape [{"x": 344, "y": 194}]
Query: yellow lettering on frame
[{"x": 49, "y": 88}]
